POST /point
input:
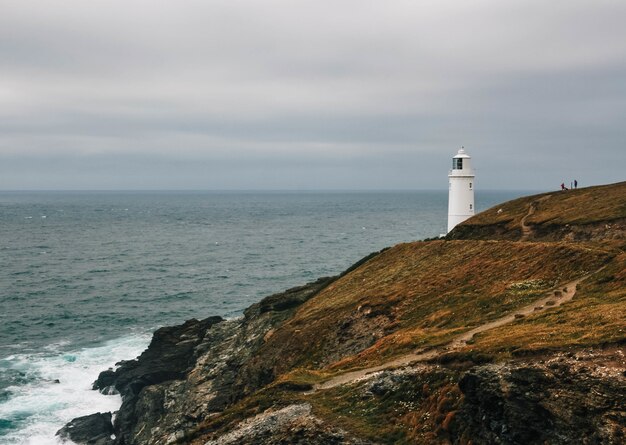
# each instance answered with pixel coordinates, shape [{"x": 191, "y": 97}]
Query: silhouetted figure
[
  {"x": 575, "y": 184},
  {"x": 563, "y": 186}
]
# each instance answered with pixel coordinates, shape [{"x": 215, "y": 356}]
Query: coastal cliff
[{"x": 510, "y": 330}]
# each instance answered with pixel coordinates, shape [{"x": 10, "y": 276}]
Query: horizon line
[{"x": 243, "y": 190}]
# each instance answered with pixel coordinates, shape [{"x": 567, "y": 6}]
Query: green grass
[
  {"x": 420, "y": 295},
  {"x": 596, "y": 316},
  {"x": 415, "y": 410},
  {"x": 582, "y": 206}
]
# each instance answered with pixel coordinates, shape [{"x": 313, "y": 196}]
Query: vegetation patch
[
  {"x": 530, "y": 285},
  {"x": 465, "y": 358},
  {"x": 418, "y": 296},
  {"x": 300, "y": 379},
  {"x": 583, "y": 206},
  {"x": 594, "y": 317},
  {"x": 395, "y": 407}
]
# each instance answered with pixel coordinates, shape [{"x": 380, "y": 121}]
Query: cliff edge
[{"x": 510, "y": 330}]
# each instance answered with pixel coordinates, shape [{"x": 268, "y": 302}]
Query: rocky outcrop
[
  {"x": 289, "y": 299},
  {"x": 293, "y": 424},
  {"x": 169, "y": 356},
  {"x": 562, "y": 400},
  {"x": 94, "y": 429},
  {"x": 191, "y": 371}
]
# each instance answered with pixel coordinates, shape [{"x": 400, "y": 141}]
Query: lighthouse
[{"x": 461, "y": 189}]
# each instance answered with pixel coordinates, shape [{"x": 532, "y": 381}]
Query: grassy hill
[
  {"x": 591, "y": 213},
  {"x": 595, "y": 317},
  {"x": 510, "y": 330},
  {"x": 421, "y": 295}
]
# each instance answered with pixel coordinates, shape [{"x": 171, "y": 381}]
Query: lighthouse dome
[
  {"x": 461, "y": 164},
  {"x": 461, "y": 154}
]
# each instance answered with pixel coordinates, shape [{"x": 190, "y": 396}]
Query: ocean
[{"x": 85, "y": 277}]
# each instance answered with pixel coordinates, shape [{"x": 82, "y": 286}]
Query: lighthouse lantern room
[{"x": 461, "y": 189}]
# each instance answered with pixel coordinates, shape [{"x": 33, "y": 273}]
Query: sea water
[{"x": 85, "y": 277}]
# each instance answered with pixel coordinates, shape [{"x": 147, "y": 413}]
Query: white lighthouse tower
[{"x": 461, "y": 189}]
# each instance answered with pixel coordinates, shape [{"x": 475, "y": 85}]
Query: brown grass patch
[
  {"x": 422, "y": 294},
  {"x": 581, "y": 206},
  {"x": 596, "y": 316}
]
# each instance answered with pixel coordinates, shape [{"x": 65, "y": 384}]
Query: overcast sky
[{"x": 310, "y": 94}]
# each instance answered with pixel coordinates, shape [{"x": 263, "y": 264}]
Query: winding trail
[
  {"x": 527, "y": 230},
  {"x": 555, "y": 298}
]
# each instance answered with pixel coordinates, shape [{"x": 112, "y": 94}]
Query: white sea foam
[{"x": 40, "y": 408}]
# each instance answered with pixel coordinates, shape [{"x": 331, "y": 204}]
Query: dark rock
[
  {"x": 195, "y": 369},
  {"x": 289, "y": 299},
  {"x": 95, "y": 429},
  {"x": 294, "y": 386},
  {"x": 293, "y": 424},
  {"x": 533, "y": 404},
  {"x": 105, "y": 380},
  {"x": 168, "y": 357}
]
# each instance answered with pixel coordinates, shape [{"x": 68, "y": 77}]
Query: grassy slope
[
  {"x": 417, "y": 411},
  {"x": 582, "y": 206},
  {"x": 596, "y": 316},
  {"x": 422, "y": 294}
]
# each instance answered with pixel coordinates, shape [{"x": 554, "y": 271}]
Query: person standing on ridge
[{"x": 575, "y": 184}]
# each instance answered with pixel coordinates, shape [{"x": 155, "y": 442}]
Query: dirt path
[
  {"x": 526, "y": 229},
  {"x": 554, "y": 299}
]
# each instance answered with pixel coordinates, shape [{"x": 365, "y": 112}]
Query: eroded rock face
[
  {"x": 293, "y": 424},
  {"x": 196, "y": 369},
  {"x": 169, "y": 356},
  {"x": 564, "y": 400},
  {"x": 94, "y": 429}
]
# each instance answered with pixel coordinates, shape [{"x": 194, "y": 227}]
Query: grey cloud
[{"x": 365, "y": 95}]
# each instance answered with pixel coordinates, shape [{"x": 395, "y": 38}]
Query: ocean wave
[{"x": 43, "y": 391}]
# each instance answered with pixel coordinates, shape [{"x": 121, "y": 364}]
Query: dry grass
[
  {"x": 417, "y": 410},
  {"x": 596, "y": 316},
  {"x": 582, "y": 206},
  {"x": 420, "y": 295}
]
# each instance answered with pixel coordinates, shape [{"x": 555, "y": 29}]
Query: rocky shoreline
[
  {"x": 187, "y": 373},
  {"x": 527, "y": 371},
  {"x": 196, "y": 370}
]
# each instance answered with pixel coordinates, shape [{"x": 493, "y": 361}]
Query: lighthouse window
[
  {"x": 470, "y": 185},
  {"x": 457, "y": 164},
  {"x": 471, "y": 206}
]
